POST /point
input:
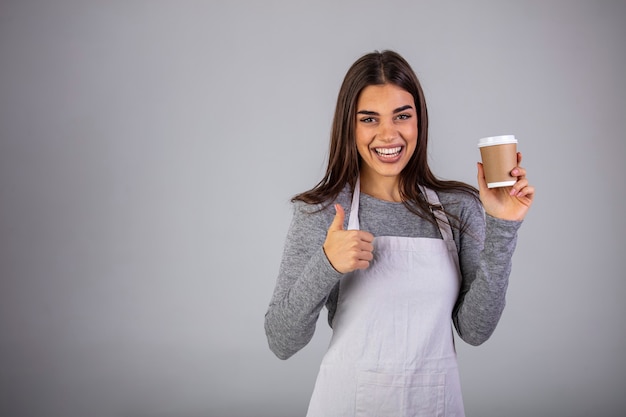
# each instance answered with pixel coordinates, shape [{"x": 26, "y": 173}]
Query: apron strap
[
  {"x": 353, "y": 219},
  {"x": 440, "y": 215},
  {"x": 444, "y": 224}
]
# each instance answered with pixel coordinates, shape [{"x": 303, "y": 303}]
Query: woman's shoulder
[
  {"x": 459, "y": 201},
  {"x": 324, "y": 211},
  {"x": 344, "y": 198}
]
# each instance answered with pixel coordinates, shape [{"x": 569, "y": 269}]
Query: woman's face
[{"x": 386, "y": 130}]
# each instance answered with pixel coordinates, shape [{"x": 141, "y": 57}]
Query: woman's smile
[{"x": 389, "y": 155}]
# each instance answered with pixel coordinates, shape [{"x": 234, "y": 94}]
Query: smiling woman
[{"x": 413, "y": 254}]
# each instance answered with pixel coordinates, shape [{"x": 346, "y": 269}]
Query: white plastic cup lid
[{"x": 497, "y": 140}]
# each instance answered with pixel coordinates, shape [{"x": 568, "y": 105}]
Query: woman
[{"x": 407, "y": 256}]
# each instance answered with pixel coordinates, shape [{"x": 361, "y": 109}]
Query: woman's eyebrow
[
  {"x": 373, "y": 113},
  {"x": 403, "y": 108}
]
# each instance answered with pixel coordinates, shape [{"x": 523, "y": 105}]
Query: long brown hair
[{"x": 376, "y": 68}]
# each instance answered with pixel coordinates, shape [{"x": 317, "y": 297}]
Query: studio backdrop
[{"x": 149, "y": 150}]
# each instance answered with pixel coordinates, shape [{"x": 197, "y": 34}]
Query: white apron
[{"x": 392, "y": 350}]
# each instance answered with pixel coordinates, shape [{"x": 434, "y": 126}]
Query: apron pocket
[{"x": 381, "y": 394}]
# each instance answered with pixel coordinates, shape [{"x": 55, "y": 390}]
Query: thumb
[{"x": 340, "y": 215}]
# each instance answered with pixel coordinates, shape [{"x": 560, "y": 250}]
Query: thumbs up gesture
[{"x": 347, "y": 250}]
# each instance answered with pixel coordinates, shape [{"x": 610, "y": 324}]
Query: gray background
[{"x": 148, "y": 151}]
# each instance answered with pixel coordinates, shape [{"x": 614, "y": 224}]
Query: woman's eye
[
  {"x": 367, "y": 119},
  {"x": 404, "y": 116}
]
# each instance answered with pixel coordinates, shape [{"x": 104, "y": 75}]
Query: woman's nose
[{"x": 387, "y": 131}]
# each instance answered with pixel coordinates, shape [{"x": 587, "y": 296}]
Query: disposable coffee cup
[{"x": 499, "y": 157}]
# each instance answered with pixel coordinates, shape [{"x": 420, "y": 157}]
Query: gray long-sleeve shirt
[{"x": 307, "y": 281}]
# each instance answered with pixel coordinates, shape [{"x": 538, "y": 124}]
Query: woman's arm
[
  {"x": 485, "y": 251},
  {"x": 304, "y": 282},
  {"x": 486, "y": 263}
]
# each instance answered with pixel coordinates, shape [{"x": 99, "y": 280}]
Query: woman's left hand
[{"x": 508, "y": 203}]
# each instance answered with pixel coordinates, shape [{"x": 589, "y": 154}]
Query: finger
[
  {"x": 366, "y": 236},
  {"x": 355, "y": 243},
  {"x": 340, "y": 215},
  {"x": 518, "y": 172},
  {"x": 364, "y": 261},
  {"x": 518, "y": 186},
  {"x": 527, "y": 191},
  {"x": 367, "y": 256},
  {"x": 361, "y": 265},
  {"x": 366, "y": 247},
  {"x": 482, "y": 183},
  {"x": 359, "y": 260}
]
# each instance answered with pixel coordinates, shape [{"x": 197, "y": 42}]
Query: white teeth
[{"x": 388, "y": 151}]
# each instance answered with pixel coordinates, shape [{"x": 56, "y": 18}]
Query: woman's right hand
[{"x": 347, "y": 250}]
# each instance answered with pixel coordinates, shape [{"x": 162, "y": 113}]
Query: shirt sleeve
[
  {"x": 485, "y": 255},
  {"x": 304, "y": 282}
]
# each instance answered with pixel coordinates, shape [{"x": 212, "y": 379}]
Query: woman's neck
[{"x": 382, "y": 188}]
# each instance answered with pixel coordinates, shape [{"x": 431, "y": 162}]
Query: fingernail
[
  {"x": 515, "y": 172},
  {"x": 513, "y": 192}
]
